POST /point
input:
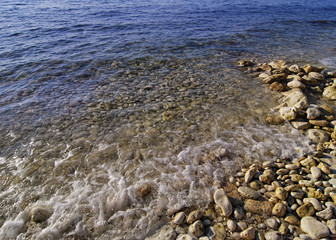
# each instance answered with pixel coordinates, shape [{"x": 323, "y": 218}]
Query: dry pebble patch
[{"x": 283, "y": 198}]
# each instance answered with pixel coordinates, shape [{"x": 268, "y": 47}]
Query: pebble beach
[{"x": 289, "y": 198}]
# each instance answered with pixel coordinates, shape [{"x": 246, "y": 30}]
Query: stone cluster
[
  {"x": 284, "y": 198},
  {"x": 281, "y": 199},
  {"x": 299, "y": 87}
]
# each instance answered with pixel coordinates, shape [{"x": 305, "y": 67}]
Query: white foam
[
  {"x": 108, "y": 193},
  {"x": 329, "y": 62}
]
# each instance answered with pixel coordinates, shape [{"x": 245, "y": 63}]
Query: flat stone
[
  {"x": 258, "y": 207},
  {"x": 248, "y": 192},
  {"x": 274, "y": 78},
  {"x": 319, "y": 123},
  {"x": 277, "y": 64},
  {"x": 279, "y": 210},
  {"x": 314, "y": 228},
  {"x": 306, "y": 209},
  {"x": 273, "y": 235},
  {"x": 223, "y": 201},
  {"x": 318, "y": 135}
]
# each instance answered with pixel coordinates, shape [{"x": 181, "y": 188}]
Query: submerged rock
[{"x": 41, "y": 213}]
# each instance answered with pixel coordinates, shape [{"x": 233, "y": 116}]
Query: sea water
[{"x": 115, "y": 113}]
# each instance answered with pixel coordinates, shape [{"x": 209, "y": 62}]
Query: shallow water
[{"x": 113, "y": 114}]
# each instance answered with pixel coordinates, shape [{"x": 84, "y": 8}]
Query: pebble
[
  {"x": 318, "y": 135},
  {"x": 222, "y": 200},
  {"x": 193, "y": 216},
  {"x": 316, "y": 172},
  {"x": 179, "y": 218},
  {"x": 242, "y": 226},
  {"x": 281, "y": 193},
  {"x": 316, "y": 203},
  {"x": 273, "y": 235},
  {"x": 248, "y": 234},
  {"x": 313, "y": 113},
  {"x": 250, "y": 174},
  {"x": 238, "y": 213},
  {"x": 196, "y": 228},
  {"x": 272, "y": 223},
  {"x": 326, "y": 214},
  {"x": 314, "y": 228},
  {"x": 232, "y": 226},
  {"x": 279, "y": 210},
  {"x": 248, "y": 192},
  {"x": 293, "y": 220},
  {"x": 185, "y": 237},
  {"x": 332, "y": 225},
  {"x": 306, "y": 209}
]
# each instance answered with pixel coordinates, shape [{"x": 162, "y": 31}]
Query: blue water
[{"x": 153, "y": 79}]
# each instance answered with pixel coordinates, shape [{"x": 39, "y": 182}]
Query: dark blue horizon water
[{"x": 100, "y": 98}]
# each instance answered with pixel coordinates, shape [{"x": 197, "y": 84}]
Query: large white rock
[
  {"x": 223, "y": 201},
  {"x": 314, "y": 228},
  {"x": 330, "y": 92},
  {"x": 296, "y": 98}
]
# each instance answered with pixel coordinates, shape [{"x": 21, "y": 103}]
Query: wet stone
[
  {"x": 222, "y": 200},
  {"x": 281, "y": 193},
  {"x": 231, "y": 225},
  {"x": 312, "y": 113},
  {"x": 41, "y": 213},
  {"x": 316, "y": 172},
  {"x": 332, "y": 226},
  {"x": 167, "y": 232}
]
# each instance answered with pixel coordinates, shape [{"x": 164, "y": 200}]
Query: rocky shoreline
[{"x": 284, "y": 198}]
